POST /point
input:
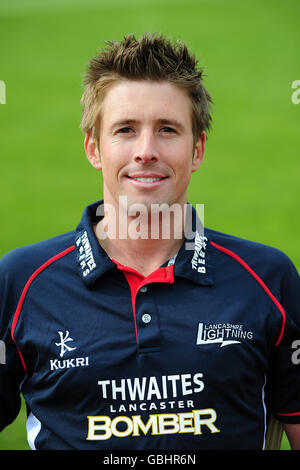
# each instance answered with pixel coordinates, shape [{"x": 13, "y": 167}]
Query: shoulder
[
  {"x": 269, "y": 266},
  {"x": 19, "y": 266},
  {"x": 20, "y": 263},
  {"x": 242, "y": 259},
  {"x": 258, "y": 255}
]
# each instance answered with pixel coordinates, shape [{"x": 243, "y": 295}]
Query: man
[{"x": 120, "y": 337}]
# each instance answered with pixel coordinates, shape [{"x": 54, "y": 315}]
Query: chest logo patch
[
  {"x": 63, "y": 340},
  {"x": 222, "y": 333},
  {"x": 71, "y": 362}
]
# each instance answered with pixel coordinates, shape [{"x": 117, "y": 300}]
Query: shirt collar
[
  {"x": 92, "y": 261},
  {"x": 193, "y": 261}
]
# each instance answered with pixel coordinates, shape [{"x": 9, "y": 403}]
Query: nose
[{"x": 146, "y": 150}]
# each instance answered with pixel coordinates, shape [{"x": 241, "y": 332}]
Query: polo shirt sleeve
[
  {"x": 285, "y": 359},
  {"x": 11, "y": 369}
]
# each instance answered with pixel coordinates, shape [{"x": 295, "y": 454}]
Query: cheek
[
  {"x": 183, "y": 163},
  {"x": 112, "y": 160}
]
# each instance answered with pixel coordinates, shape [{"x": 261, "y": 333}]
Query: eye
[
  {"x": 124, "y": 130},
  {"x": 168, "y": 130}
]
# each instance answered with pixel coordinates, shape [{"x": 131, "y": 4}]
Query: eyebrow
[
  {"x": 165, "y": 122},
  {"x": 123, "y": 122}
]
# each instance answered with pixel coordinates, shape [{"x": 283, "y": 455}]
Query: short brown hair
[{"x": 151, "y": 57}]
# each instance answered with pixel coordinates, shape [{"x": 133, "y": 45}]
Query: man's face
[{"x": 147, "y": 152}]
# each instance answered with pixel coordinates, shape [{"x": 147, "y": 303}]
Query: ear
[
  {"x": 92, "y": 151},
  {"x": 199, "y": 151}
]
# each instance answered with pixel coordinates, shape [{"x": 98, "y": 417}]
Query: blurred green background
[{"x": 249, "y": 180}]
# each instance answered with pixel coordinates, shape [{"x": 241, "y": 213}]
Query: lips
[{"x": 147, "y": 178}]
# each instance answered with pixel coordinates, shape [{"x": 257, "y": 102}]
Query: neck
[{"x": 144, "y": 241}]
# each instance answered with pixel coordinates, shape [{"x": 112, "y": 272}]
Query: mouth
[
  {"x": 151, "y": 179},
  {"x": 147, "y": 181}
]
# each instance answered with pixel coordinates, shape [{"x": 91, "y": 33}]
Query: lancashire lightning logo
[
  {"x": 63, "y": 340},
  {"x": 222, "y": 333}
]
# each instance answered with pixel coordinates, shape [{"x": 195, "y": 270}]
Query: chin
[
  {"x": 149, "y": 202},
  {"x": 128, "y": 200}
]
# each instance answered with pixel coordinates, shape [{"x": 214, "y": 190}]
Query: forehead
[{"x": 137, "y": 100}]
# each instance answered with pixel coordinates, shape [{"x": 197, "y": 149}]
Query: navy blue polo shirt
[{"x": 195, "y": 356}]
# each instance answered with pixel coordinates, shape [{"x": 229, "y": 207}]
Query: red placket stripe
[{"x": 136, "y": 280}]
